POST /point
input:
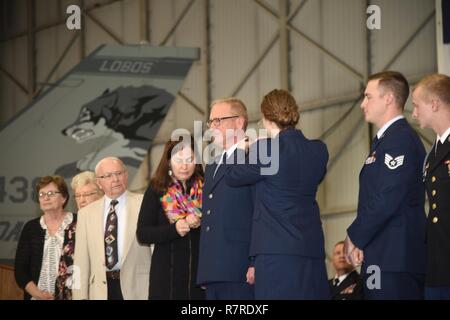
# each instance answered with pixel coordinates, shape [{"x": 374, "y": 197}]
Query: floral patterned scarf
[
  {"x": 178, "y": 204},
  {"x": 64, "y": 281}
]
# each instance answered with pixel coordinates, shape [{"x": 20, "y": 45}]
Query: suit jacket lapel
[
  {"x": 346, "y": 282},
  {"x": 375, "y": 145},
  {"x": 442, "y": 152},
  {"x": 349, "y": 280},
  {"x": 390, "y": 129},
  {"x": 130, "y": 225},
  {"x": 238, "y": 156},
  {"x": 219, "y": 175},
  {"x": 211, "y": 179},
  {"x": 99, "y": 229}
]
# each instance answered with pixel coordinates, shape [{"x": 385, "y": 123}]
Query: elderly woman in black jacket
[{"x": 43, "y": 263}]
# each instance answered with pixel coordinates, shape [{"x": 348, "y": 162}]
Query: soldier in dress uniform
[
  {"x": 347, "y": 283},
  {"x": 388, "y": 234},
  {"x": 431, "y": 101}
]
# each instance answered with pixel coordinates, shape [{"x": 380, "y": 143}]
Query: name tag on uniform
[{"x": 371, "y": 159}]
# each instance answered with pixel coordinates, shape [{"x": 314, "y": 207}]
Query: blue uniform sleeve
[
  {"x": 394, "y": 178},
  {"x": 250, "y": 172}
]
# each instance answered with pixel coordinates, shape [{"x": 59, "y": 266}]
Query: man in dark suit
[
  {"x": 388, "y": 234},
  {"x": 224, "y": 266},
  {"x": 347, "y": 283},
  {"x": 431, "y": 101}
]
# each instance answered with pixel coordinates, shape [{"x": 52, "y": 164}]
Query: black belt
[{"x": 115, "y": 275}]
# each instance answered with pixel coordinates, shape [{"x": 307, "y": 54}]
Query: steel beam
[
  {"x": 58, "y": 62},
  {"x": 144, "y": 21},
  {"x": 31, "y": 48},
  {"x": 110, "y": 32},
  {"x": 313, "y": 43},
  {"x": 284, "y": 44},
  {"x": 255, "y": 65},
  {"x": 177, "y": 22},
  {"x": 207, "y": 57},
  {"x": 14, "y": 80},
  {"x": 410, "y": 39}
]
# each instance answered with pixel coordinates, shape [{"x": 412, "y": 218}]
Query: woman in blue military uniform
[{"x": 287, "y": 238}]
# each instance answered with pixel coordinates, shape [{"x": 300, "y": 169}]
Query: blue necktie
[
  {"x": 374, "y": 142},
  {"x": 224, "y": 159}
]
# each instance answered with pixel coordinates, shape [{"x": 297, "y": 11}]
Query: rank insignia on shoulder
[{"x": 393, "y": 163}]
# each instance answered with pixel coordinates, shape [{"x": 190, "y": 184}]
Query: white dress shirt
[
  {"x": 340, "y": 279},
  {"x": 121, "y": 223},
  {"x": 444, "y": 136},
  {"x": 229, "y": 152}
]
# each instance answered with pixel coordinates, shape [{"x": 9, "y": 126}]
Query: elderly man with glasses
[{"x": 111, "y": 263}]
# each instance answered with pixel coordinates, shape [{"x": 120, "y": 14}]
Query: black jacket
[
  {"x": 175, "y": 258},
  {"x": 349, "y": 289},
  {"x": 437, "y": 184},
  {"x": 30, "y": 250}
]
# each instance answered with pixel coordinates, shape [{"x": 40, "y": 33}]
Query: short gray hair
[
  {"x": 83, "y": 179},
  {"x": 97, "y": 167}
]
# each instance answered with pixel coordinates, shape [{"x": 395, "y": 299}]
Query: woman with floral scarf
[{"x": 169, "y": 219}]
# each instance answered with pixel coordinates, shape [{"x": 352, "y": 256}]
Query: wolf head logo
[{"x": 123, "y": 122}]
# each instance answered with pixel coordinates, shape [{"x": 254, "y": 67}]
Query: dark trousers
[
  {"x": 395, "y": 286},
  {"x": 290, "y": 277},
  {"x": 114, "y": 290},
  {"x": 437, "y": 293},
  {"x": 229, "y": 291}
]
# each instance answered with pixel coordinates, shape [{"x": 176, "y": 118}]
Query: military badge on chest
[
  {"x": 447, "y": 163},
  {"x": 371, "y": 159}
]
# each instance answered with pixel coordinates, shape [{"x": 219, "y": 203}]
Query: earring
[{"x": 170, "y": 172}]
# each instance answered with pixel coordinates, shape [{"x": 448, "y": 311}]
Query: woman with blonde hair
[{"x": 85, "y": 189}]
